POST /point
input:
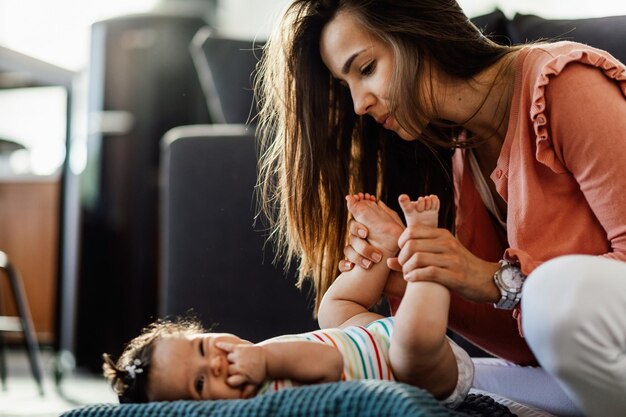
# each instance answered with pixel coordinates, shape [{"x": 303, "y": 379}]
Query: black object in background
[
  {"x": 142, "y": 83},
  {"x": 215, "y": 260}
]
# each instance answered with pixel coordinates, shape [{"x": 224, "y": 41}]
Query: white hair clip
[{"x": 134, "y": 369}]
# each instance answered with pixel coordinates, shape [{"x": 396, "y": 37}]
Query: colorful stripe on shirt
[{"x": 365, "y": 351}]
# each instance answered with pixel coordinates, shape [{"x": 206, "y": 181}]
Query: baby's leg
[
  {"x": 383, "y": 228},
  {"x": 420, "y": 354},
  {"x": 424, "y": 210}
]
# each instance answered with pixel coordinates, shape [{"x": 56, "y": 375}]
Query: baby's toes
[{"x": 420, "y": 204}]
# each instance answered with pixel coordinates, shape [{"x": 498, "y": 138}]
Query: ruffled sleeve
[{"x": 601, "y": 60}]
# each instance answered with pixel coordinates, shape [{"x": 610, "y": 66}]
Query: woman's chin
[{"x": 404, "y": 135}]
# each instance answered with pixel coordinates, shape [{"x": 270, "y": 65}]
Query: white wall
[
  {"x": 57, "y": 31},
  {"x": 548, "y": 8},
  {"x": 251, "y": 18}
]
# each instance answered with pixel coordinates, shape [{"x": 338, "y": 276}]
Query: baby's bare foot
[
  {"x": 383, "y": 228},
  {"x": 424, "y": 210}
]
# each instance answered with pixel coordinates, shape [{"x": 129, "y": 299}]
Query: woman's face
[
  {"x": 191, "y": 367},
  {"x": 364, "y": 64}
]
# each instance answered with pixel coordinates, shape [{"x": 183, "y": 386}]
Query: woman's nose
[{"x": 363, "y": 101}]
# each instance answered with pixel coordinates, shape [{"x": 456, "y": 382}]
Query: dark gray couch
[{"x": 606, "y": 33}]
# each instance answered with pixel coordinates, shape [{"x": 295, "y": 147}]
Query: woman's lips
[{"x": 388, "y": 122}]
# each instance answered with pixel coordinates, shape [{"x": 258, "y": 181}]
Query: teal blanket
[{"x": 369, "y": 398}]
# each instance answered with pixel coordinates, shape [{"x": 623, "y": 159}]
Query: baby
[{"x": 179, "y": 360}]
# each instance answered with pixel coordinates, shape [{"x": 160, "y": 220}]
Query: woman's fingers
[
  {"x": 420, "y": 231},
  {"x": 430, "y": 254},
  {"x": 394, "y": 265},
  {"x": 357, "y": 229},
  {"x": 345, "y": 265},
  {"x": 361, "y": 253},
  {"x": 421, "y": 246}
]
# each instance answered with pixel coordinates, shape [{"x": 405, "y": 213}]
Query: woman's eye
[
  {"x": 369, "y": 68},
  {"x": 200, "y": 385},
  {"x": 201, "y": 348}
]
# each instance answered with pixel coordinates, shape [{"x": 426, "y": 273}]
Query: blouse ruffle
[{"x": 589, "y": 56}]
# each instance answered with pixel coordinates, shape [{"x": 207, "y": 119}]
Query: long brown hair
[{"x": 314, "y": 149}]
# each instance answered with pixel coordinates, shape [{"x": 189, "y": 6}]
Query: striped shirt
[{"x": 365, "y": 351}]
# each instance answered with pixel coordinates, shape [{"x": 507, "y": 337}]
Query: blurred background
[{"x": 87, "y": 90}]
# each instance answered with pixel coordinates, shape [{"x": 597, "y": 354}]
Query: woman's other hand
[
  {"x": 360, "y": 251},
  {"x": 434, "y": 254}
]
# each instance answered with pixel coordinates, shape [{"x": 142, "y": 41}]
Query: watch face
[{"x": 511, "y": 278}]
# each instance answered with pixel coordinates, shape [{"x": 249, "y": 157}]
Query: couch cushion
[
  {"x": 606, "y": 33},
  {"x": 226, "y": 68},
  {"x": 494, "y": 25}
]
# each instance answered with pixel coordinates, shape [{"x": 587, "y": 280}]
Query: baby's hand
[{"x": 247, "y": 363}]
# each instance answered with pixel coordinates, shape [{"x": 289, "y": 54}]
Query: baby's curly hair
[{"x": 129, "y": 375}]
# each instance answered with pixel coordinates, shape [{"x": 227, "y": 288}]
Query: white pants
[{"x": 574, "y": 320}]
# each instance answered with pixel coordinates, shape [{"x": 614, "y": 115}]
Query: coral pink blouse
[{"x": 562, "y": 172}]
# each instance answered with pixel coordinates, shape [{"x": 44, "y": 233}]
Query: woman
[{"x": 525, "y": 146}]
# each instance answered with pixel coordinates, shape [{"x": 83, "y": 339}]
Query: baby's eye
[
  {"x": 201, "y": 347},
  {"x": 199, "y": 385}
]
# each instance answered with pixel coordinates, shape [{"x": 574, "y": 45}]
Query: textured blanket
[{"x": 369, "y": 398}]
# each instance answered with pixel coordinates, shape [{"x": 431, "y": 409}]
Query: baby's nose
[{"x": 217, "y": 364}]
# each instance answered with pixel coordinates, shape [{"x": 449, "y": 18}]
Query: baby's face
[{"x": 191, "y": 367}]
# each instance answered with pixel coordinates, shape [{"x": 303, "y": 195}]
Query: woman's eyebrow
[{"x": 346, "y": 67}]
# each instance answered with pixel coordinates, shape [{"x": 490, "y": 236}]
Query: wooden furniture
[
  {"x": 31, "y": 205},
  {"x": 21, "y": 323},
  {"x": 29, "y": 219}
]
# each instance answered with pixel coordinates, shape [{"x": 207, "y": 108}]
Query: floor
[{"x": 21, "y": 397}]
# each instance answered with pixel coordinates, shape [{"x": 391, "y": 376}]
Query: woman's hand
[
  {"x": 360, "y": 251},
  {"x": 433, "y": 254}
]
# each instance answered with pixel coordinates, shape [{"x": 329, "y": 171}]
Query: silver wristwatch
[{"x": 509, "y": 280}]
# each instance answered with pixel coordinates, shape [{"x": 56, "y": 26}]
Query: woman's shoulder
[
  {"x": 543, "y": 61},
  {"x": 550, "y": 72},
  {"x": 549, "y": 66}
]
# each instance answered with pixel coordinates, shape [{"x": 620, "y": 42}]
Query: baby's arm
[
  {"x": 301, "y": 361},
  {"x": 353, "y": 293}
]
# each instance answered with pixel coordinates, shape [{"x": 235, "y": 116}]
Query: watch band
[{"x": 508, "y": 301}]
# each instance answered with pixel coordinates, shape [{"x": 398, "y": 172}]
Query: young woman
[{"x": 525, "y": 146}]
